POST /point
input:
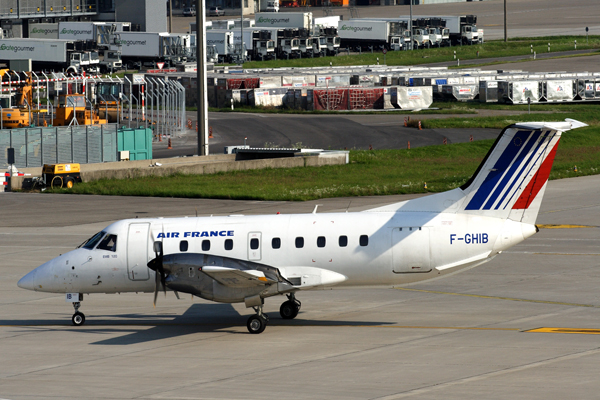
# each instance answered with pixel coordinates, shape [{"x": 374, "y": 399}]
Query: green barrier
[{"x": 137, "y": 141}]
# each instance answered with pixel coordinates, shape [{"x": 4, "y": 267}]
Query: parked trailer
[
  {"x": 49, "y": 54},
  {"x": 284, "y": 20},
  {"x": 371, "y": 32},
  {"x": 140, "y": 47}
]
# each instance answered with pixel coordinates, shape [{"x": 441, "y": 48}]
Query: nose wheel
[{"x": 78, "y": 318}]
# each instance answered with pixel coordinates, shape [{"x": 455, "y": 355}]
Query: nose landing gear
[{"x": 78, "y": 318}]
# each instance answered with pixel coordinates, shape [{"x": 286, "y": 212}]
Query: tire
[
  {"x": 78, "y": 319},
  {"x": 57, "y": 181},
  {"x": 289, "y": 310},
  {"x": 69, "y": 182},
  {"x": 256, "y": 324}
]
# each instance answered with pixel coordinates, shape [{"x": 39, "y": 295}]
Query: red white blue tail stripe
[{"x": 516, "y": 170}]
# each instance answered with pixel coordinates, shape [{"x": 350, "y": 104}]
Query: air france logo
[
  {"x": 171, "y": 235},
  {"x": 470, "y": 238}
]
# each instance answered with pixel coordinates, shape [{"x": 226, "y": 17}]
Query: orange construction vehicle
[
  {"x": 20, "y": 115},
  {"x": 72, "y": 110}
]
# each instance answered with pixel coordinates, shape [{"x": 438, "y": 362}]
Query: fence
[{"x": 35, "y": 147}]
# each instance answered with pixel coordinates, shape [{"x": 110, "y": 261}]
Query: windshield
[
  {"x": 93, "y": 241},
  {"x": 108, "y": 243}
]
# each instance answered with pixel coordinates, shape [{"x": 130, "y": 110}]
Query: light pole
[
  {"x": 505, "y": 32},
  {"x": 201, "y": 94}
]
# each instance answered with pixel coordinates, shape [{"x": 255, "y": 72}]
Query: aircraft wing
[{"x": 237, "y": 278}]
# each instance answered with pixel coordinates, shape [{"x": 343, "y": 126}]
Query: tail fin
[{"x": 511, "y": 180}]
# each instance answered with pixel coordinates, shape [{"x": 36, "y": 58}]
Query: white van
[{"x": 273, "y": 6}]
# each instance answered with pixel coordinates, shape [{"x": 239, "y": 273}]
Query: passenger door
[{"x": 137, "y": 252}]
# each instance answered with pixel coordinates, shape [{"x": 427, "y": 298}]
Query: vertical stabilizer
[{"x": 511, "y": 180}]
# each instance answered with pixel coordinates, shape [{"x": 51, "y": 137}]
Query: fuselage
[{"x": 367, "y": 248}]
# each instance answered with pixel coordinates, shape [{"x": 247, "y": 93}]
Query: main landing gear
[
  {"x": 78, "y": 318},
  {"x": 288, "y": 310},
  {"x": 257, "y": 323}
]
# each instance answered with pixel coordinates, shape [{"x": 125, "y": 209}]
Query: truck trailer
[
  {"x": 142, "y": 48},
  {"x": 52, "y": 54},
  {"x": 378, "y": 33}
]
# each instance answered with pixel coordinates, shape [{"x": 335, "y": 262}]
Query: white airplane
[{"x": 234, "y": 259}]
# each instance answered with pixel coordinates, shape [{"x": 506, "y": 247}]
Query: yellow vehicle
[
  {"x": 18, "y": 116},
  {"x": 61, "y": 175},
  {"x": 72, "y": 110}
]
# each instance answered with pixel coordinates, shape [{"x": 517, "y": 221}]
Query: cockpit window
[
  {"x": 108, "y": 243},
  {"x": 93, "y": 241}
]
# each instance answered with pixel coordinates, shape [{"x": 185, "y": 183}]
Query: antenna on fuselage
[
  {"x": 316, "y": 206},
  {"x": 350, "y": 202}
]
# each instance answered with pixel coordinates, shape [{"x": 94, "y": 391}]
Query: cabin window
[
  {"x": 276, "y": 243},
  {"x": 321, "y": 241},
  {"x": 343, "y": 241},
  {"x": 205, "y": 245},
  {"x": 108, "y": 243},
  {"x": 229, "y": 244},
  {"x": 299, "y": 242},
  {"x": 254, "y": 243},
  {"x": 183, "y": 245},
  {"x": 364, "y": 240}
]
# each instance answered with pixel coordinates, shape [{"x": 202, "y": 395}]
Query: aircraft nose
[{"x": 27, "y": 282}]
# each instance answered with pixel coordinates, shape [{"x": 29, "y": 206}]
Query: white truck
[
  {"x": 284, "y": 20},
  {"x": 462, "y": 29},
  {"x": 140, "y": 48},
  {"x": 375, "y": 33},
  {"x": 273, "y": 6},
  {"x": 49, "y": 54},
  {"x": 223, "y": 42}
]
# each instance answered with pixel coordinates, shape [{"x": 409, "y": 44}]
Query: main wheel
[
  {"x": 78, "y": 318},
  {"x": 289, "y": 310},
  {"x": 69, "y": 182},
  {"x": 256, "y": 324}
]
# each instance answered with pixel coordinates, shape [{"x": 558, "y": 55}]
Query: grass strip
[{"x": 370, "y": 172}]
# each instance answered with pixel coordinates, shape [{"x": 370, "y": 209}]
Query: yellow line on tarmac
[
  {"x": 560, "y": 303},
  {"x": 563, "y": 226},
  {"x": 583, "y": 331}
]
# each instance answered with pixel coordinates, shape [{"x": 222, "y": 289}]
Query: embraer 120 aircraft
[{"x": 237, "y": 258}]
